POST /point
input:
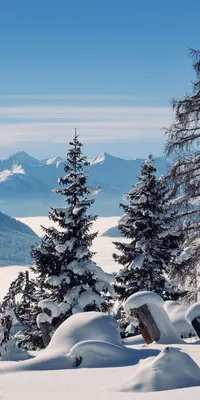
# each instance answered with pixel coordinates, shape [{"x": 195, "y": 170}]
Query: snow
[
  {"x": 55, "y": 160},
  {"x": 51, "y": 306},
  {"x": 176, "y": 313},
  {"x": 140, "y": 298},
  {"x": 84, "y": 326},
  {"x": 43, "y": 317},
  {"x": 168, "y": 333},
  {"x": 51, "y": 376},
  {"x": 18, "y": 169},
  {"x": 4, "y": 175},
  {"x": 76, "y": 210},
  {"x": 43, "y": 378},
  {"x": 87, "y": 360},
  {"x": 138, "y": 262},
  {"x": 88, "y": 297},
  {"x": 193, "y": 312},
  {"x": 55, "y": 280},
  {"x": 171, "y": 369},
  {"x": 93, "y": 191},
  {"x": 97, "y": 160},
  {"x": 60, "y": 248}
]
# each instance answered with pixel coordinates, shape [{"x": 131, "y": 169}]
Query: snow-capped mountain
[{"x": 26, "y": 183}]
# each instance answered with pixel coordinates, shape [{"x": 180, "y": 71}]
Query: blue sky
[{"x": 107, "y": 67}]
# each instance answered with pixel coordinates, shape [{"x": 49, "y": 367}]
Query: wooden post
[
  {"x": 45, "y": 329},
  {"x": 27, "y": 283},
  {"x": 44, "y": 326},
  {"x": 147, "y": 324},
  {"x": 196, "y": 325}
]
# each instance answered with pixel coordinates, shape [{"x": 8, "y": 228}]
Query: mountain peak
[
  {"x": 23, "y": 158},
  {"x": 56, "y": 160},
  {"x": 101, "y": 158}
]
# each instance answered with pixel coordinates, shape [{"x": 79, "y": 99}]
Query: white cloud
[
  {"x": 81, "y": 97},
  {"x": 94, "y": 124}
]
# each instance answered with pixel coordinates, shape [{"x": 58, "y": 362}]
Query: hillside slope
[{"x": 16, "y": 240}]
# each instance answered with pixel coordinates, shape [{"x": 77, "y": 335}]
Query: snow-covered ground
[
  {"x": 120, "y": 377},
  {"x": 106, "y": 368}
]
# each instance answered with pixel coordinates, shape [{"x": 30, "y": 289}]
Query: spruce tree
[
  {"x": 146, "y": 255},
  {"x": 183, "y": 145},
  {"x": 17, "y": 308},
  {"x": 63, "y": 263}
]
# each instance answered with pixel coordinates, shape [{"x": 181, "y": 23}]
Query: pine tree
[
  {"x": 146, "y": 224},
  {"x": 63, "y": 264},
  {"x": 183, "y": 144},
  {"x": 16, "y": 313}
]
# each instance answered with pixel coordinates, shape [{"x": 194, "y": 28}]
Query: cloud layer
[{"x": 56, "y": 123}]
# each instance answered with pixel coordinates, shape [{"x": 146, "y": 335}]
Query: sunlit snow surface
[{"x": 97, "y": 383}]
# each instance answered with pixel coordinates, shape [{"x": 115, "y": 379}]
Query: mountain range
[
  {"x": 16, "y": 240},
  {"x": 26, "y": 183}
]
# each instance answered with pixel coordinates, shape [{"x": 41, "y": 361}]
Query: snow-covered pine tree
[
  {"x": 183, "y": 144},
  {"x": 147, "y": 253},
  {"x": 63, "y": 264},
  {"x": 22, "y": 293},
  {"x": 17, "y": 308}
]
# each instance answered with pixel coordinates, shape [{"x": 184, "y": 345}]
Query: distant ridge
[{"x": 26, "y": 183}]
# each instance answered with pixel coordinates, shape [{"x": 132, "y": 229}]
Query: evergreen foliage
[
  {"x": 183, "y": 144},
  {"x": 147, "y": 253},
  {"x": 63, "y": 263},
  {"x": 16, "y": 311}
]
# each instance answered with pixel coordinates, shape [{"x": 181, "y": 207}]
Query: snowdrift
[
  {"x": 171, "y": 369},
  {"x": 84, "y": 326},
  {"x": 176, "y": 313},
  {"x": 89, "y": 340}
]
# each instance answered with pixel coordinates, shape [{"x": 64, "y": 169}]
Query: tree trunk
[
  {"x": 147, "y": 324},
  {"x": 44, "y": 326},
  {"x": 196, "y": 325}
]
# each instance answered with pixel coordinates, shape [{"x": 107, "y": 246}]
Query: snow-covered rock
[
  {"x": 168, "y": 333},
  {"x": 171, "y": 369},
  {"x": 176, "y": 313}
]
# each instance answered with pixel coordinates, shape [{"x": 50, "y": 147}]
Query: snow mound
[
  {"x": 86, "y": 340},
  {"x": 176, "y": 313},
  {"x": 193, "y": 312},
  {"x": 140, "y": 298},
  {"x": 168, "y": 333},
  {"x": 100, "y": 354},
  {"x": 171, "y": 369},
  {"x": 84, "y": 326}
]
